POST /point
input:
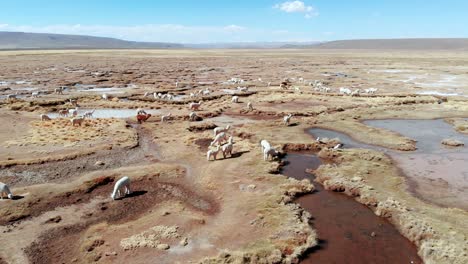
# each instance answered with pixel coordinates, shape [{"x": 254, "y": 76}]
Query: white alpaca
[
  {"x": 250, "y": 106},
  {"x": 370, "y": 90},
  {"x": 77, "y": 121},
  {"x": 59, "y": 90},
  {"x": 141, "y": 111},
  {"x": 219, "y": 139},
  {"x": 35, "y": 94},
  {"x": 264, "y": 144},
  {"x": 73, "y": 112},
  {"x": 73, "y": 101},
  {"x": 338, "y": 146},
  {"x": 44, "y": 117},
  {"x": 165, "y": 118},
  {"x": 212, "y": 153},
  {"x": 192, "y": 95},
  {"x": 344, "y": 90},
  {"x": 192, "y": 116},
  {"x": 89, "y": 114},
  {"x": 177, "y": 84},
  {"x": 105, "y": 97},
  {"x": 267, "y": 152},
  {"x": 242, "y": 89},
  {"x": 227, "y": 148},
  {"x": 121, "y": 186},
  {"x": 235, "y": 99},
  {"x": 286, "y": 119},
  {"x": 206, "y": 91},
  {"x": 355, "y": 92},
  {"x": 5, "y": 190},
  {"x": 195, "y": 106},
  {"x": 218, "y": 130}
]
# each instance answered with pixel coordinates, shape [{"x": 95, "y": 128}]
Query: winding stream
[{"x": 349, "y": 232}]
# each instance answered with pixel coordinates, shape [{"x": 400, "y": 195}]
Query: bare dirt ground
[{"x": 235, "y": 209}]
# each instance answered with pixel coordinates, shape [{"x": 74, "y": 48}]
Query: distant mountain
[
  {"x": 248, "y": 45},
  {"x": 21, "y": 40},
  {"x": 393, "y": 44}
]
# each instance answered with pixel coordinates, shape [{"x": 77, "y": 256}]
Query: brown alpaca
[{"x": 142, "y": 118}]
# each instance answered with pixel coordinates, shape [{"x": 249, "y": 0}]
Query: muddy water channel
[
  {"x": 436, "y": 173},
  {"x": 349, "y": 232}
]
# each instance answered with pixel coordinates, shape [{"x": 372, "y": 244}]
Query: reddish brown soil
[{"x": 59, "y": 245}]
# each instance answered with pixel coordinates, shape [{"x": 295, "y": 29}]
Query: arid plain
[{"x": 238, "y": 209}]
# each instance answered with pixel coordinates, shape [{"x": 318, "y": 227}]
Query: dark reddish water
[{"x": 348, "y": 231}]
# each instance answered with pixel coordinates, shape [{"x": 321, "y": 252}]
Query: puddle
[
  {"x": 439, "y": 174},
  {"x": 440, "y": 93},
  {"x": 346, "y": 140},
  {"x": 436, "y": 173},
  {"x": 345, "y": 227},
  {"x": 109, "y": 113},
  {"x": 94, "y": 89}
]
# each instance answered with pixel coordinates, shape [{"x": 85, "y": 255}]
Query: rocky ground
[{"x": 183, "y": 207}]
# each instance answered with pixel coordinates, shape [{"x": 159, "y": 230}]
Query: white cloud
[
  {"x": 297, "y": 7},
  {"x": 234, "y": 28}
]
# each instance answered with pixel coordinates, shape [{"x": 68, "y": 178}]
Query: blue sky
[{"x": 202, "y": 21}]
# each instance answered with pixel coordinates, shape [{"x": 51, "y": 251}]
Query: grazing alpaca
[
  {"x": 195, "y": 106},
  {"x": 218, "y": 130},
  {"x": 141, "y": 111},
  {"x": 73, "y": 112},
  {"x": 142, "y": 118},
  {"x": 44, "y": 117},
  {"x": 212, "y": 153},
  {"x": 338, "y": 146},
  {"x": 227, "y": 148},
  {"x": 74, "y": 102},
  {"x": 267, "y": 152},
  {"x": 121, "y": 186},
  {"x": 250, "y": 106},
  {"x": 63, "y": 112},
  {"x": 264, "y": 144},
  {"x": 235, "y": 99},
  {"x": 35, "y": 94},
  {"x": 89, "y": 114},
  {"x": 286, "y": 119},
  {"x": 5, "y": 190},
  {"x": 219, "y": 139},
  {"x": 193, "y": 116},
  {"x": 165, "y": 118},
  {"x": 77, "y": 121},
  {"x": 58, "y": 90}
]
